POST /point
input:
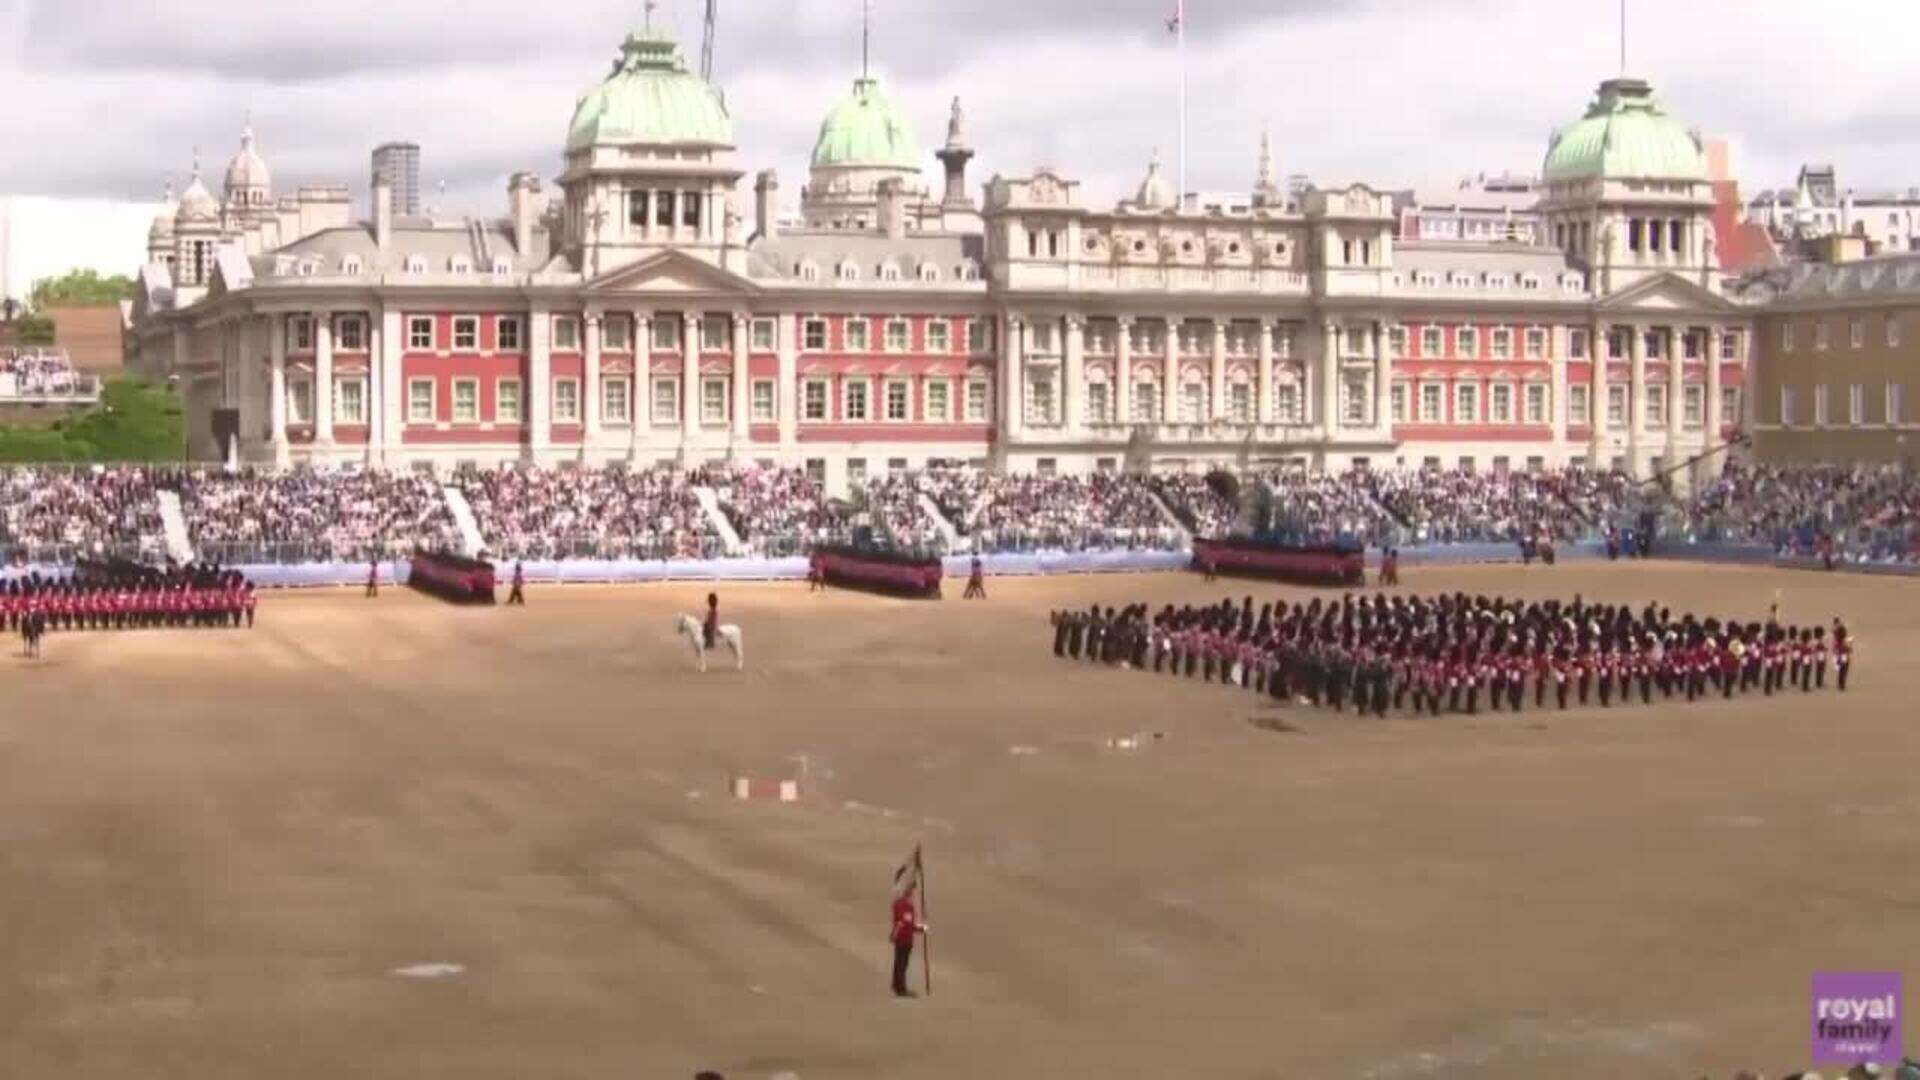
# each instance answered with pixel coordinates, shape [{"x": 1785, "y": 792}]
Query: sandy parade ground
[{"x": 248, "y": 853}]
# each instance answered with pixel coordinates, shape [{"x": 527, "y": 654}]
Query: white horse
[{"x": 689, "y": 627}]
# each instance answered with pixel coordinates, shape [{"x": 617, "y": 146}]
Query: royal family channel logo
[{"x": 1856, "y": 1017}]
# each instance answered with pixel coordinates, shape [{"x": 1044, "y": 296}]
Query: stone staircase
[
  {"x": 173, "y": 526},
  {"x": 947, "y": 532},
  {"x": 471, "y": 542},
  {"x": 716, "y": 517},
  {"x": 1171, "y": 518}
]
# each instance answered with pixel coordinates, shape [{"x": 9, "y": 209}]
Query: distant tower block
[{"x": 399, "y": 164}]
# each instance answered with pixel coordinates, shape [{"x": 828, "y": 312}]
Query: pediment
[
  {"x": 670, "y": 272},
  {"x": 1666, "y": 292}
]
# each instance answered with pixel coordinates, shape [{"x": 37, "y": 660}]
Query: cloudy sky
[{"x": 109, "y": 97}]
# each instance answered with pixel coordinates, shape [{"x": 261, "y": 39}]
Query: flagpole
[
  {"x": 926, "y": 942},
  {"x": 1180, "y": 196}
]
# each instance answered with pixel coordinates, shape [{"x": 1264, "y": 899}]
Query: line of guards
[
  {"x": 1382, "y": 653},
  {"x": 183, "y": 597}
]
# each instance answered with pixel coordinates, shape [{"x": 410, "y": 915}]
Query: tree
[{"x": 81, "y": 288}]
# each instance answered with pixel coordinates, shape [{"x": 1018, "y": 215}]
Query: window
[
  {"x": 979, "y": 401},
  {"x": 897, "y": 335},
  {"x": 1466, "y": 342},
  {"x": 300, "y": 401},
  {"x": 1536, "y": 403},
  {"x": 1099, "y": 403},
  {"x": 1536, "y": 343},
  {"x": 1432, "y": 410},
  {"x": 566, "y": 333},
  {"x": 716, "y": 333},
  {"x": 350, "y": 401},
  {"x": 1577, "y": 343},
  {"x": 1193, "y": 402},
  {"x": 1787, "y": 402},
  {"x": 939, "y": 406},
  {"x": 980, "y": 336},
  {"x": 1240, "y": 402},
  {"x": 350, "y": 333},
  {"x": 939, "y": 336},
  {"x": 899, "y": 399},
  {"x": 1397, "y": 402},
  {"x": 1857, "y": 334},
  {"x": 1820, "y": 405},
  {"x": 420, "y": 401},
  {"x": 813, "y": 399},
  {"x": 814, "y": 335},
  {"x": 1856, "y": 404},
  {"x": 1146, "y": 402},
  {"x": 466, "y": 333},
  {"x": 663, "y": 209},
  {"x": 1821, "y": 337},
  {"x": 764, "y": 405},
  {"x": 1893, "y": 331},
  {"x": 1466, "y": 403},
  {"x": 1656, "y": 344},
  {"x": 856, "y": 471},
  {"x": 1430, "y": 344},
  {"x": 1502, "y": 343},
  {"x": 300, "y": 334},
  {"x": 506, "y": 401},
  {"x": 690, "y": 209},
  {"x": 666, "y": 332},
  {"x": 857, "y": 331},
  {"x": 1730, "y": 345},
  {"x": 416, "y": 264},
  {"x": 665, "y": 400},
  {"x": 1896, "y": 413},
  {"x": 1578, "y": 413},
  {"x": 1616, "y": 406},
  {"x": 507, "y": 334},
  {"x": 566, "y": 401},
  {"x": 1690, "y": 344},
  {"x": 1397, "y": 342},
  {"x": 466, "y": 401},
  {"x": 1693, "y": 406},
  {"x": 637, "y": 208},
  {"x": 713, "y": 401},
  {"x": 1656, "y": 408},
  {"x": 853, "y": 400},
  {"x": 420, "y": 332},
  {"x": 1786, "y": 337},
  {"x": 1286, "y": 403},
  {"x": 616, "y": 333},
  {"x": 460, "y": 264},
  {"x": 1355, "y": 401},
  {"x": 1617, "y": 344},
  {"x": 1500, "y": 403},
  {"x": 1730, "y": 405}
]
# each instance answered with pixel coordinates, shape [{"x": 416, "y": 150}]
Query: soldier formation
[
  {"x": 1451, "y": 653},
  {"x": 126, "y": 598}
]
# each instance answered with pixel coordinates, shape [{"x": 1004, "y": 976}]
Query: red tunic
[{"x": 905, "y": 921}]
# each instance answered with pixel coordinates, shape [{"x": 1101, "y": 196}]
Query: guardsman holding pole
[{"x": 907, "y": 882}]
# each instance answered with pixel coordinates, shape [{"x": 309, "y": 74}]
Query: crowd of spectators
[
  {"x": 1195, "y": 501},
  {"x": 1859, "y": 512},
  {"x": 310, "y": 516},
  {"x": 1457, "y": 506},
  {"x": 777, "y": 512},
  {"x": 36, "y": 372},
  {"x": 58, "y": 514},
  {"x": 611, "y": 513},
  {"x": 1035, "y": 512}
]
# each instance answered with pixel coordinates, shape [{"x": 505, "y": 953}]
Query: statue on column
[{"x": 956, "y": 121}]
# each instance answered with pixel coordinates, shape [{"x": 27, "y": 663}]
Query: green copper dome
[
  {"x": 1626, "y": 134},
  {"x": 865, "y": 130},
  {"x": 650, "y": 97}
]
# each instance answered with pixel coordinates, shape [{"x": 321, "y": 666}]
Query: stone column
[
  {"x": 393, "y": 403},
  {"x": 1013, "y": 362},
  {"x": 1597, "y": 353},
  {"x": 323, "y": 378},
  {"x": 538, "y": 398},
  {"x": 590, "y": 383},
  {"x": 1170, "y": 374},
  {"x": 1636, "y": 398},
  {"x": 277, "y": 388},
  {"x": 1557, "y": 393},
  {"x": 742, "y": 386},
  {"x": 245, "y": 374},
  {"x": 1715, "y": 341},
  {"x": 642, "y": 381},
  {"x": 1330, "y": 378},
  {"x": 787, "y": 393},
  {"x": 1073, "y": 382},
  {"x": 690, "y": 375},
  {"x": 1676, "y": 390},
  {"x": 1263, "y": 405},
  {"x": 1217, "y": 391},
  {"x": 1123, "y": 365},
  {"x": 1383, "y": 380},
  {"x": 376, "y": 417}
]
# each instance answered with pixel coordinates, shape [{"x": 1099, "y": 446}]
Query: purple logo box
[{"x": 1856, "y": 1017}]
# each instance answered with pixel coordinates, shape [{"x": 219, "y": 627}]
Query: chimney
[
  {"x": 523, "y": 199},
  {"x": 893, "y": 208},
  {"x": 766, "y": 199},
  {"x": 382, "y": 213}
]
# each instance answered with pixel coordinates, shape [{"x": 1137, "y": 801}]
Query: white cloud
[{"x": 110, "y": 96}]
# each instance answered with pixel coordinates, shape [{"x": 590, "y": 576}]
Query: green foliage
[
  {"x": 135, "y": 421},
  {"x": 33, "y": 330},
  {"x": 81, "y": 288}
]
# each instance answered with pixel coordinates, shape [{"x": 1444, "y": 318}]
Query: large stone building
[{"x": 633, "y": 314}]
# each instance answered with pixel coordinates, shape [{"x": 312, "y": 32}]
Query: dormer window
[
  {"x": 806, "y": 271},
  {"x": 460, "y": 264},
  {"x": 416, "y": 264},
  {"x": 929, "y": 272},
  {"x": 501, "y": 268},
  {"x": 305, "y": 268},
  {"x": 350, "y": 265},
  {"x": 888, "y": 272},
  {"x": 848, "y": 271},
  {"x": 969, "y": 271}
]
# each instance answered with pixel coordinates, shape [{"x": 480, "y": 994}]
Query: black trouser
[
  {"x": 902, "y": 953},
  {"x": 1841, "y": 673},
  {"x": 518, "y": 597}
]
